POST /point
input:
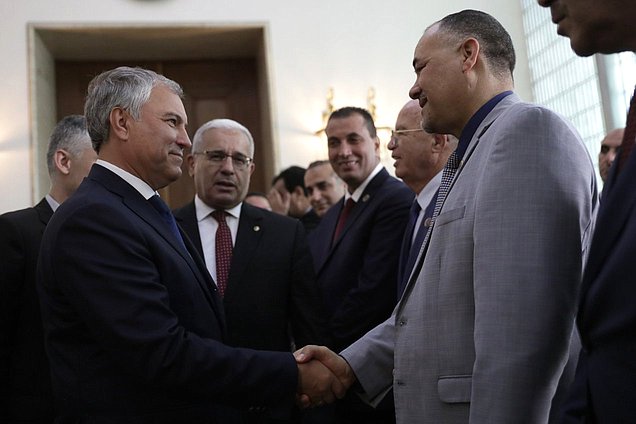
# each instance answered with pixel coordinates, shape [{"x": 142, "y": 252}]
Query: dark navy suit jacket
[
  {"x": 358, "y": 274},
  {"x": 271, "y": 286},
  {"x": 24, "y": 370},
  {"x": 605, "y": 384},
  {"x": 134, "y": 328}
]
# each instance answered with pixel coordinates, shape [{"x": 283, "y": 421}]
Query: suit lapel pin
[
  {"x": 256, "y": 228},
  {"x": 366, "y": 198}
]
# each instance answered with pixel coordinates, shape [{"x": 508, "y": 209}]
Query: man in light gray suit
[{"x": 482, "y": 333}]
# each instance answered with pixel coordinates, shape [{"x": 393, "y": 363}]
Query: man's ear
[
  {"x": 439, "y": 142},
  {"x": 190, "y": 159},
  {"x": 62, "y": 161},
  {"x": 119, "y": 123},
  {"x": 469, "y": 50}
]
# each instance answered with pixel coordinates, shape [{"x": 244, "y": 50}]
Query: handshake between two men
[{"x": 323, "y": 376}]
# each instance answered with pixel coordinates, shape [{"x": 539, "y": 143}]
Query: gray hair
[
  {"x": 123, "y": 87},
  {"x": 225, "y": 124},
  {"x": 496, "y": 44},
  {"x": 70, "y": 134}
]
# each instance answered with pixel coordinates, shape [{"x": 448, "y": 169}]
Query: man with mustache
[{"x": 270, "y": 297}]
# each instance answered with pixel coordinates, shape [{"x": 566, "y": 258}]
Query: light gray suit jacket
[{"x": 482, "y": 334}]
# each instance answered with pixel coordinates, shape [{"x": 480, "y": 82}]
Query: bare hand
[
  {"x": 317, "y": 385},
  {"x": 334, "y": 362},
  {"x": 279, "y": 201}
]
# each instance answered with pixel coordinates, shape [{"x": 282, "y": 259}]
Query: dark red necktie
[
  {"x": 223, "y": 250},
  {"x": 629, "y": 135},
  {"x": 344, "y": 214}
]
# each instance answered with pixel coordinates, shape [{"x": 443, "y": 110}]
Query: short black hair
[
  {"x": 347, "y": 111},
  {"x": 292, "y": 177},
  {"x": 493, "y": 38}
]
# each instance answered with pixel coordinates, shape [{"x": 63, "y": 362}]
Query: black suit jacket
[
  {"x": 604, "y": 390},
  {"x": 271, "y": 286},
  {"x": 358, "y": 273},
  {"x": 133, "y": 324},
  {"x": 24, "y": 370}
]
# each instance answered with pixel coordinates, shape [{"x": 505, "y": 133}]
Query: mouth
[
  {"x": 225, "y": 185},
  {"x": 347, "y": 163}
]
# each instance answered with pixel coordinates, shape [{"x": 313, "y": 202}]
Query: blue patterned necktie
[{"x": 166, "y": 215}]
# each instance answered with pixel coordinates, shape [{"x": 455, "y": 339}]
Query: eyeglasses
[
  {"x": 396, "y": 133},
  {"x": 217, "y": 158}
]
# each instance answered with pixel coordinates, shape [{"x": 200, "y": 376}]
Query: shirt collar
[
  {"x": 54, "y": 204},
  {"x": 203, "y": 210},
  {"x": 425, "y": 196},
  {"x": 475, "y": 121},
  {"x": 358, "y": 191},
  {"x": 140, "y": 185}
]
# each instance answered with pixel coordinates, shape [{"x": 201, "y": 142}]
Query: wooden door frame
[{"x": 51, "y": 42}]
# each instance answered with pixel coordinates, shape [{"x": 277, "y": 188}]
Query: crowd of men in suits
[{"x": 447, "y": 297}]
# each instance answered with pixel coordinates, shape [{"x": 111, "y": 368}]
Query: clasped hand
[{"x": 323, "y": 376}]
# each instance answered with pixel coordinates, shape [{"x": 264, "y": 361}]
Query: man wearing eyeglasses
[
  {"x": 267, "y": 280},
  {"x": 419, "y": 159}
]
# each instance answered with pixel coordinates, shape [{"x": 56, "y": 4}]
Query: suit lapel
[
  {"x": 483, "y": 128},
  {"x": 133, "y": 200},
  {"x": 619, "y": 199},
  {"x": 187, "y": 219},
  {"x": 248, "y": 238},
  {"x": 321, "y": 237},
  {"x": 44, "y": 211},
  {"x": 358, "y": 211}
]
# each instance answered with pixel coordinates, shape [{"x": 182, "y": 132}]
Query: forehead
[
  {"x": 410, "y": 117},
  {"x": 431, "y": 43},
  {"x": 613, "y": 139},
  {"x": 225, "y": 139},
  {"x": 342, "y": 127}
]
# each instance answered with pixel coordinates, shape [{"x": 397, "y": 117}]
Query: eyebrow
[{"x": 175, "y": 115}]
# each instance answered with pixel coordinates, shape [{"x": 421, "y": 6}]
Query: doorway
[{"x": 222, "y": 71}]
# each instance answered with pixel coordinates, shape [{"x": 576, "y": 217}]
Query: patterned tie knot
[{"x": 219, "y": 215}]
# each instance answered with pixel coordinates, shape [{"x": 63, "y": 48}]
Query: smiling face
[
  {"x": 440, "y": 85},
  {"x": 353, "y": 153},
  {"x": 595, "y": 26},
  {"x": 412, "y": 150},
  {"x": 157, "y": 139},
  {"x": 323, "y": 188},
  {"x": 221, "y": 185}
]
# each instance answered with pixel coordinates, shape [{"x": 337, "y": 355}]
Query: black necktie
[
  {"x": 447, "y": 178},
  {"x": 411, "y": 246},
  {"x": 167, "y": 216}
]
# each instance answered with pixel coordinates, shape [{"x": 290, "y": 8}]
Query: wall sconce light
[{"x": 371, "y": 107}]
